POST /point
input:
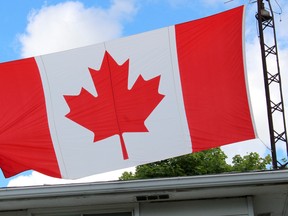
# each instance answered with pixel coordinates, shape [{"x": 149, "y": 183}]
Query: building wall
[
  {"x": 215, "y": 207},
  {"x": 209, "y": 207}
]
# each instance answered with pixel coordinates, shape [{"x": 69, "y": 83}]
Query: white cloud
[
  {"x": 281, "y": 21},
  {"x": 69, "y": 25},
  {"x": 36, "y": 178}
]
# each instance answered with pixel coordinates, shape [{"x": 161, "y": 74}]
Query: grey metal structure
[{"x": 272, "y": 81}]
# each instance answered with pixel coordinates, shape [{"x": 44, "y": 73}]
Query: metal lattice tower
[{"x": 272, "y": 81}]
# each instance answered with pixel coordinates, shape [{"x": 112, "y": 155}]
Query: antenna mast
[{"x": 272, "y": 82}]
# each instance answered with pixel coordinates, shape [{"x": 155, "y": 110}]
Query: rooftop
[{"x": 269, "y": 190}]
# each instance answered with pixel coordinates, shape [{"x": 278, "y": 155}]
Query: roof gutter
[{"x": 192, "y": 182}]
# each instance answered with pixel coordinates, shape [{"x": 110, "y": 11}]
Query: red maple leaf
[{"x": 116, "y": 109}]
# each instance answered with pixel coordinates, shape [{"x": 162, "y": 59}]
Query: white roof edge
[{"x": 203, "y": 181}]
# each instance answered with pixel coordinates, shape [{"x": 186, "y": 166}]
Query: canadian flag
[{"x": 126, "y": 102}]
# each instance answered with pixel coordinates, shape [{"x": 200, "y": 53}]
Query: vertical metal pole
[{"x": 267, "y": 91}]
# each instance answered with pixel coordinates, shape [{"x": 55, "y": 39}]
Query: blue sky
[
  {"x": 147, "y": 15},
  {"x": 34, "y": 27}
]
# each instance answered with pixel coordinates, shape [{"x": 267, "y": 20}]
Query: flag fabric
[{"x": 126, "y": 102}]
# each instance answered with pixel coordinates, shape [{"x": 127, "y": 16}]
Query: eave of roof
[{"x": 149, "y": 185}]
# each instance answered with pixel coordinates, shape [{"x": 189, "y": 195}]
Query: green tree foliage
[
  {"x": 251, "y": 161},
  {"x": 211, "y": 161}
]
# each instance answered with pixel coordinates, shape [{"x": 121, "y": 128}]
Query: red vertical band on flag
[
  {"x": 212, "y": 74},
  {"x": 25, "y": 141}
]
